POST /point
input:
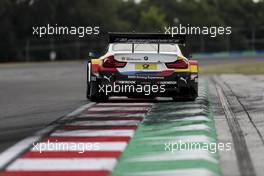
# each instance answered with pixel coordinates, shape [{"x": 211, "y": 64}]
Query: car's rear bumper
[{"x": 164, "y": 86}]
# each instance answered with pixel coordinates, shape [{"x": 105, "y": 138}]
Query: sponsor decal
[
  {"x": 126, "y": 82},
  {"x": 183, "y": 79},
  {"x": 168, "y": 82},
  {"x": 132, "y": 59},
  {"x": 145, "y": 66},
  {"x": 108, "y": 78},
  {"x": 145, "y": 77}
]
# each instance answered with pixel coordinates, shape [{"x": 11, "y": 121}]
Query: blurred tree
[
  {"x": 17, "y": 17},
  {"x": 152, "y": 20}
]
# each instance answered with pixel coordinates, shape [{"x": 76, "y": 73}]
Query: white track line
[
  {"x": 178, "y": 139},
  {"x": 112, "y": 115},
  {"x": 62, "y": 164},
  {"x": 105, "y": 123},
  {"x": 185, "y": 172},
  {"x": 79, "y": 110},
  {"x": 15, "y": 150},
  {"x": 124, "y": 104},
  {"x": 79, "y": 146},
  {"x": 89, "y": 133},
  {"x": 12, "y": 152},
  {"x": 185, "y": 111},
  {"x": 118, "y": 109},
  {"x": 18, "y": 148},
  {"x": 191, "y": 127},
  {"x": 193, "y": 118},
  {"x": 175, "y": 156}
]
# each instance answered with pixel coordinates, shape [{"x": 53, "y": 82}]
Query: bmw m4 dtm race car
[{"x": 142, "y": 65}]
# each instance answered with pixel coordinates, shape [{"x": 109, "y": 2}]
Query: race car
[{"x": 142, "y": 65}]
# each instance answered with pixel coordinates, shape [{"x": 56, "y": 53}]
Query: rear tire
[
  {"x": 177, "y": 99},
  {"x": 88, "y": 91},
  {"x": 186, "y": 95},
  {"x": 87, "y": 81},
  {"x": 94, "y": 94}
]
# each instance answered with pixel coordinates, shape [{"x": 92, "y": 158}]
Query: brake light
[
  {"x": 177, "y": 64},
  {"x": 110, "y": 62}
]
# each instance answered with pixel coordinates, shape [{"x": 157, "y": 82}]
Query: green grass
[{"x": 255, "y": 68}]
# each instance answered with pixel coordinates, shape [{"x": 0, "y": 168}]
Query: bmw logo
[{"x": 146, "y": 58}]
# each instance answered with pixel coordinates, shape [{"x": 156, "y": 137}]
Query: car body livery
[{"x": 142, "y": 65}]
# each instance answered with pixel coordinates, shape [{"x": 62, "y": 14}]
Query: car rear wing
[{"x": 146, "y": 38}]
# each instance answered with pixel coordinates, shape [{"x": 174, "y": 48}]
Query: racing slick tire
[
  {"x": 87, "y": 81},
  {"x": 187, "y": 94},
  {"x": 94, "y": 94},
  {"x": 176, "y": 99},
  {"x": 88, "y": 91}
]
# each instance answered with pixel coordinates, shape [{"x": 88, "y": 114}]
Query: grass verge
[{"x": 254, "y": 68}]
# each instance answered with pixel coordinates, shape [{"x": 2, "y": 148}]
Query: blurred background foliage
[{"x": 17, "y": 17}]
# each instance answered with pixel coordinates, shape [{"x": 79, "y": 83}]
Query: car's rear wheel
[
  {"x": 88, "y": 91},
  {"x": 186, "y": 95},
  {"x": 94, "y": 94},
  {"x": 177, "y": 99},
  {"x": 92, "y": 89},
  {"x": 88, "y": 80}
]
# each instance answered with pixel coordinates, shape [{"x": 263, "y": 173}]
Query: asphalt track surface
[
  {"x": 36, "y": 95},
  {"x": 124, "y": 137},
  {"x": 238, "y": 113}
]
